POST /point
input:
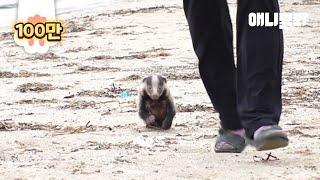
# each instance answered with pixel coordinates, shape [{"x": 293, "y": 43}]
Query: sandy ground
[{"x": 62, "y": 115}]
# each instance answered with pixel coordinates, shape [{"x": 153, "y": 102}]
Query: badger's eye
[
  {"x": 150, "y": 88},
  {"x": 160, "y": 88}
]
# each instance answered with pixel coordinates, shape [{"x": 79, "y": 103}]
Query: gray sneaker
[
  {"x": 228, "y": 142},
  {"x": 270, "y": 137}
]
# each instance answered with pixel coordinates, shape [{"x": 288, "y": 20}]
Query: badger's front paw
[{"x": 151, "y": 119}]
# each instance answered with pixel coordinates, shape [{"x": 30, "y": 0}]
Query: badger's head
[{"x": 154, "y": 86}]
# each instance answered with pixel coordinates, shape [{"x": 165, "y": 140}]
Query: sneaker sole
[
  {"x": 228, "y": 151},
  {"x": 272, "y": 143}
]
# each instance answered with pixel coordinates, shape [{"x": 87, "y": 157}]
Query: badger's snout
[{"x": 155, "y": 96}]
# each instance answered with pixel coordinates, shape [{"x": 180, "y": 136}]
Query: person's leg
[
  {"x": 211, "y": 32},
  {"x": 260, "y": 54}
]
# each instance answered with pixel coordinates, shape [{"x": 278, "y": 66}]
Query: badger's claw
[{"x": 152, "y": 126}]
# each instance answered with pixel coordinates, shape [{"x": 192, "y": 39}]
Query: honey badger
[{"x": 156, "y": 106}]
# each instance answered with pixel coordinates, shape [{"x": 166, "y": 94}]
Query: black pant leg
[
  {"x": 260, "y": 54},
  {"x": 211, "y": 32}
]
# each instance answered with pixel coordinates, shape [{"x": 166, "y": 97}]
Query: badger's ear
[
  {"x": 164, "y": 79},
  {"x": 144, "y": 79}
]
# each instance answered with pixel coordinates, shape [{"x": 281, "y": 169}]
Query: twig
[
  {"x": 269, "y": 157},
  {"x": 87, "y": 125}
]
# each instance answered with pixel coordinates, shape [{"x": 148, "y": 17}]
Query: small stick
[
  {"x": 269, "y": 157},
  {"x": 87, "y": 124}
]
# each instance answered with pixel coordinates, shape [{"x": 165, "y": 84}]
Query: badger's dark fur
[{"x": 156, "y": 106}]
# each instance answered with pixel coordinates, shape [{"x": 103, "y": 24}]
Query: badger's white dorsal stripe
[{"x": 155, "y": 84}]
